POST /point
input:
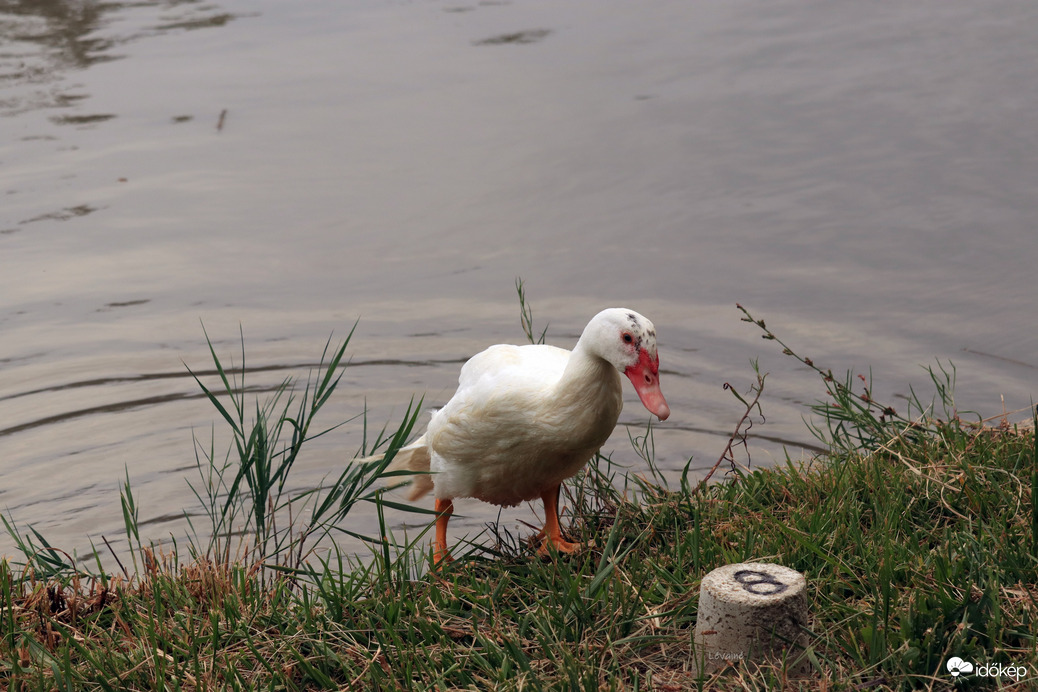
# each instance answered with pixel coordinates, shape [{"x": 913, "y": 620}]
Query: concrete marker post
[{"x": 754, "y": 613}]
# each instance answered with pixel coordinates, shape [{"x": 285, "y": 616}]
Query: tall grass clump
[{"x": 246, "y": 494}]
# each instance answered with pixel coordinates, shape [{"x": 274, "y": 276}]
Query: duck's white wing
[
  {"x": 492, "y": 430},
  {"x": 534, "y": 367}
]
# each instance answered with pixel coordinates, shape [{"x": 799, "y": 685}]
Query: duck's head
[{"x": 628, "y": 341}]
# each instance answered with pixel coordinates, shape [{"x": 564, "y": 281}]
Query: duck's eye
[{"x": 628, "y": 338}]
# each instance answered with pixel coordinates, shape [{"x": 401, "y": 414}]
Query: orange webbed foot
[
  {"x": 552, "y": 534},
  {"x": 558, "y": 545}
]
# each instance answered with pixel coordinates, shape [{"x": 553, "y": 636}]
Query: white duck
[{"x": 525, "y": 418}]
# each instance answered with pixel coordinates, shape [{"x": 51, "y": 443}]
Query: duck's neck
[{"x": 590, "y": 391}]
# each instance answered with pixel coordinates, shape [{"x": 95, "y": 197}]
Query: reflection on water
[
  {"x": 61, "y": 33},
  {"x": 62, "y": 215},
  {"x": 529, "y": 36},
  {"x": 44, "y": 40},
  {"x": 861, "y": 178}
]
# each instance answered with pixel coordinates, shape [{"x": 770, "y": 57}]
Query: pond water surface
[{"x": 863, "y": 176}]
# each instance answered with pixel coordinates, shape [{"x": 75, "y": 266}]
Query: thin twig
[{"x": 738, "y": 434}]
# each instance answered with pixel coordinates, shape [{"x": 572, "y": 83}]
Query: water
[{"x": 861, "y": 176}]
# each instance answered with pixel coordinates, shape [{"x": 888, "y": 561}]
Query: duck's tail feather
[{"x": 414, "y": 457}]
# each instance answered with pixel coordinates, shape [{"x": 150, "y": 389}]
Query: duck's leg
[
  {"x": 445, "y": 508},
  {"x": 540, "y": 532},
  {"x": 551, "y": 531}
]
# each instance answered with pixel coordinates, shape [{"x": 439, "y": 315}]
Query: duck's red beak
[{"x": 644, "y": 375}]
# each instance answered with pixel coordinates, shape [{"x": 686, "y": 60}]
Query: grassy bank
[{"x": 917, "y": 533}]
